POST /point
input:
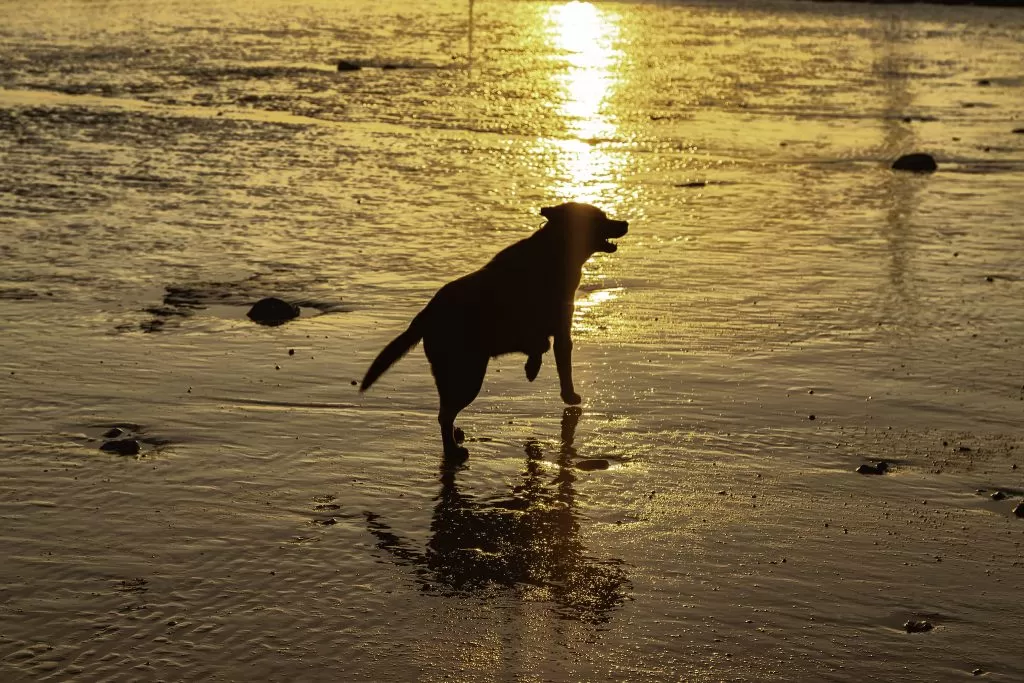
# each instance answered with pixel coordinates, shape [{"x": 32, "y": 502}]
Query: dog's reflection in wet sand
[{"x": 529, "y": 540}]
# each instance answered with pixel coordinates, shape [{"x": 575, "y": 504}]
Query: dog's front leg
[{"x": 563, "y": 361}]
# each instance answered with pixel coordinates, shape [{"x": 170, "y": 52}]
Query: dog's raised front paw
[
  {"x": 532, "y": 367},
  {"x": 571, "y": 398}
]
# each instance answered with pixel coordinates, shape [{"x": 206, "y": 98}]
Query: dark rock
[
  {"x": 881, "y": 468},
  {"x": 590, "y": 465},
  {"x": 272, "y": 311},
  {"x": 121, "y": 446},
  {"x": 998, "y": 495},
  {"x": 1019, "y": 510},
  {"x": 1018, "y": 131},
  {"x": 984, "y": 81},
  {"x": 348, "y": 66},
  {"x": 113, "y": 433},
  {"x": 916, "y": 163},
  {"x": 913, "y": 626}
]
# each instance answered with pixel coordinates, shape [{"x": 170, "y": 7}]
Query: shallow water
[{"x": 165, "y": 164}]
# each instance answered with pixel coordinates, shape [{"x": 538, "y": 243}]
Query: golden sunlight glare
[{"x": 584, "y": 37}]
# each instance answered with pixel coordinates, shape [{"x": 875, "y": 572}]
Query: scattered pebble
[
  {"x": 1019, "y": 510},
  {"x": 592, "y": 464},
  {"x": 881, "y": 468},
  {"x": 121, "y": 446},
  {"x": 113, "y": 433},
  {"x": 291, "y": 352},
  {"x": 354, "y": 383},
  {"x": 916, "y": 163},
  {"x": 913, "y": 626},
  {"x": 998, "y": 495},
  {"x": 811, "y": 417},
  {"x": 272, "y": 311}
]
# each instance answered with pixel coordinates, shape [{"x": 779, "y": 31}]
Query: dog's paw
[
  {"x": 571, "y": 398},
  {"x": 532, "y": 367},
  {"x": 456, "y": 455}
]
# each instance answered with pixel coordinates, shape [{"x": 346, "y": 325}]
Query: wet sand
[{"x": 785, "y": 309}]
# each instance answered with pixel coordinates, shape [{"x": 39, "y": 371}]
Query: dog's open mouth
[{"x": 615, "y": 230}]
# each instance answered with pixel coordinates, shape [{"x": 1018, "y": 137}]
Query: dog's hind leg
[{"x": 458, "y": 378}]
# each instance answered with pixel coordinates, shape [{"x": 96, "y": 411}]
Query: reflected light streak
[
  {"x": 585, "y": 36},
  {"x": 588, "y": 307}
]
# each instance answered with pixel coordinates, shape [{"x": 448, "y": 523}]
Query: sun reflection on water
[{"x": 584, "y": 37}]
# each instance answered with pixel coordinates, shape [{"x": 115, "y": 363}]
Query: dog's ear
[{"x": 553, "y": 212}]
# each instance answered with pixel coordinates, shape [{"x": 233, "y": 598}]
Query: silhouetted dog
[{"x": 515, "y": 303}]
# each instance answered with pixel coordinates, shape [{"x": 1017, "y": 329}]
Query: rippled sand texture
[{"x": 784, "y": 309}]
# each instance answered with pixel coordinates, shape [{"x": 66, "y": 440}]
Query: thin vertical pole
[{"x": 470, "y": 55}]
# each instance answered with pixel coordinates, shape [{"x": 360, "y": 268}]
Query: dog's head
[{"x": 586, "y": 229}]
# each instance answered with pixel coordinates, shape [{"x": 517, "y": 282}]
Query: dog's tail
[{"x": 398, "y": 347}]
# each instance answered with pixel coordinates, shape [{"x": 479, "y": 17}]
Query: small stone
[
  {"x": 291, "y": 352},
  {"x": 348, "y": 66},
  {"x": 989, "y": 278},
  {"x": 121, "y": 446},
  {"x": 913, "y": 626},
  {"x": 916, "y": 163},
  {"x": 1019, "y": 510},
  {"x": 984, "y": 81},
  {"x": 977, "y": 672},
  {"x": 811, "y": 417},
  {"x": 998, "y": 495},
  {"x": 592, "y": 464},
  {"x": 354, "y": 383},
  {"x": 272, "y": 311},
  {"x": 881, "y": 468},
  {"x": 113, "y": 433}
]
